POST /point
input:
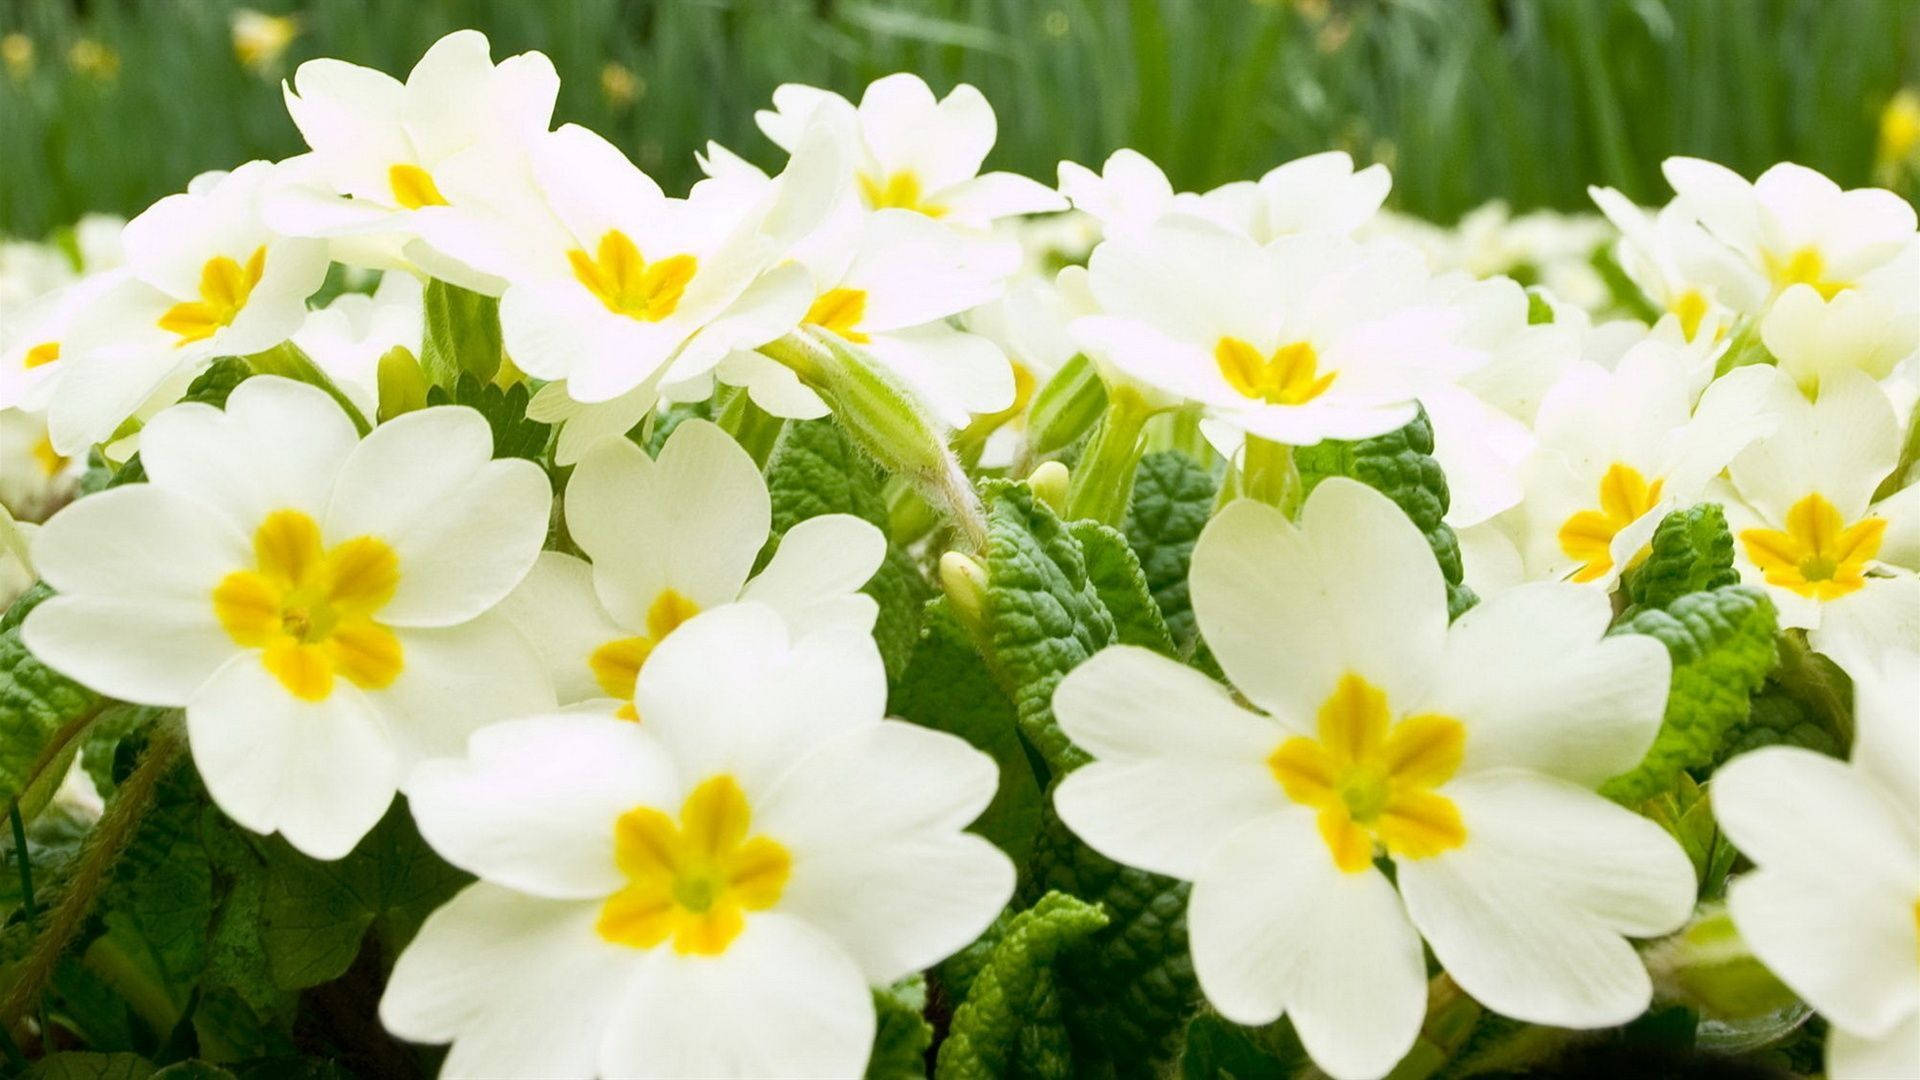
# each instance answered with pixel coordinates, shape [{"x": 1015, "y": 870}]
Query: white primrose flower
[
  {"x": 1832, "y": 906},
  {"x": 1793, "y": 225},
  {"x": 1304, "y": 339},
  {"x": 1806, "y": 525},
  {"x": 710, "y": 893},
  {"x": 1321, "y": 193},
  {"x": 205, "y": 277},
  {"x": 34, "y": 340},
  {"x": 1692, "y": 278},
  {"x": 316, "y": 602},
  {"x": 1864, "y": 329},
  {"x": 347, "y": 338},
  {"x": 34, "y": 477},
  {"x": 911, "y": 152},
  {"x": 670, "y": 538},
  {"x": 618, "y": 288},
  {"x": 388, "y": 157},
  {"x": 1465, "y": 755},
  {"x": 1620, "y": 449}
]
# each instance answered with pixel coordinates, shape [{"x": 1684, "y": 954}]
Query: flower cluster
[{"x": 1390, "y": 614}]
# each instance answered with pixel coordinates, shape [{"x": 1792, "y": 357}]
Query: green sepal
[{"x": 462, "y": 334}]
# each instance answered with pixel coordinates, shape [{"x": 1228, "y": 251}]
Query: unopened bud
[
  {"x": 1049, "y": 484},
  {"x": 964, "y": 581},
  {"x": 1709, "y": 967},
  {"x": 403, "y": 386}
]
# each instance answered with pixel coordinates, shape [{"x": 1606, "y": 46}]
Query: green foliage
[
  {"x": 1776, "y": 718},
  {"x": 1399, "y": 465},
  {"x": 74, "y": 1065},
  {"x": 1010, "y": 1015},
  {"x": 815, "y": 469},
  {"x": 1722, "y": 645},
  {"x": 214, "y": 384},
  {"x": 1172, "y": 500},
  {"x": 1528, "y": 100},
  {"x": 1122, "y": 587},
  {"x": 36, "y": 702},
  {"x": 514, "y": 435},
  {"x": 1129, "y": 989},
  {"x": 901, "y": 1034},
  {"x": 313, "y": 913},
  {"x": 463, "y": 335},
  {"x": 1691, "y": 550},
  {"x": 948, "y": 687},
  {"x": 1218, "y": 1049}
]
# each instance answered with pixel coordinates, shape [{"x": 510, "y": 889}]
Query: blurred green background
[{"x": 108, "y": 104}]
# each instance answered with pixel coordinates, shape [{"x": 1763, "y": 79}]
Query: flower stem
[
  {"x": 754, "y": 428},
  {"x": 1102, "y": 484},
  {"x": 1269, "y": 474},
  {"x": 288, "y": 360},
  {"x": 886, "y": 420},
  {"x": 91, "y": 870}
]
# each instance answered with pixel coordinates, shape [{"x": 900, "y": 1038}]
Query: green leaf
[
  {"x": 1002, "y": 1019},
  {"x": 901, "y": 1034},
  {"x": 1042, "y": 613},
  {"x": 192, "y": 1070},
  {"x": 1399, "y": 465},
  {"x": 947, "y": 687},
  {"x": 1721, "y": 643},
  {"x": 36, "y": 702},
  {"x": 1691, "y": 550},
  {"x": 73, "y": 1065},
  {"x": 514, "y": 435},
  {"x": 314, "y": 913},
  {"x": 1122, "y": 587},
  {"x": 1172, "y": 500},
  {"x": 463, "y": 334},
  {"x": 1776, "y": 718},
  {"x": 1218, "y": 1049},
  {"x": 815, "y": 469},
  {"x": 159, "y": 905},
  {"x": 212, "y": 386},
  {"x": 1129, "y": 989}
]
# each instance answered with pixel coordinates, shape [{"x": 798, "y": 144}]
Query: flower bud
[
  {"x": 1065, "y": 406},
  {"x": 403, "y": 386}
]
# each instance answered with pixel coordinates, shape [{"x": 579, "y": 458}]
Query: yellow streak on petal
[{"x": 413, "y": 187}]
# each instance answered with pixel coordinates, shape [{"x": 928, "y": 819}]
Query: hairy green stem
[
  {"x": 1102, "y": 483},
  {"x": 754, "y": 428},
  {"x": 1267, "y": 473},
  {"x": 91, "y": 870}
]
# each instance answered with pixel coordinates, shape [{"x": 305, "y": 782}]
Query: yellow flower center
[
  {"x": 1818, "y": 555},
  {"x": 224, "y": 288},
  {"x": 840, "y": 310},
  {"x": 309, "y": 609},
  {"x": 1690, "y": 308},
  {"x": 1289, "y": 377},
  {"x": 44, "y": 353},
  {"x": 1625, "y": 495},
  {"x": 1372, "y": 780},
  {"x": 901, "y": 191},
  {"x": 695, "y": 881},
  {"x": 413, "y": 187},
  {"x": 616, "y": 665},
  {"x": 1804, "y": 267},
  {"x": 49, "y": 459},
  {"x": 629, "y": 285}
]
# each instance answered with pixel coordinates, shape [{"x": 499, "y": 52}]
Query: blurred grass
[{"x": 1528, "y": 100}]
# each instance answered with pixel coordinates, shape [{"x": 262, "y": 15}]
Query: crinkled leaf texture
[
  {"x": 1172, "y": 501},
  {"x": 1010, "y": 1023},
  {"x": 514, "y": 434},
  {"x": 35, "y": 703},
  {"x": 1722, "y": 645},
  {"x": 1691, "y": 551},
  {"x": 901, "y": 1035},
  {"x": 1401, "y": 466}
]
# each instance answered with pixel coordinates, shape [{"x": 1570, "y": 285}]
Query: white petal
[
  {"x": 523, "y": 987},
  {"x": 783, "y": 1000},
  {"x": 1180, "y": 764},
  {"x": 139, "y": 542},
  {"x": 1528, "y": 915},
  {"x": 692, "y": 521},
  {"x": 319, "y": 773},
  {"x": 533, "y": 804},
  {"x": 142, "y": 650},
  {"x": 1538, "y": 686},
  {"x": 995, "y": 195},
  {"x": 818, "y": 559},
  {"x": 1847, "y": 947},
  {"x": 1893, "y": 1057},
  {"x": 1805, "y": 813},
  {"x": 1277, "y": 927},
  {"x": 557, "y": 610},
  {"x": 456, "y": 679},
  {"x": 1288, "y": 611},
  {"x": 278, "y": 445},
  {"x": 466, "y": 528}
]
